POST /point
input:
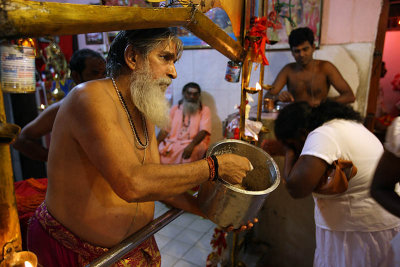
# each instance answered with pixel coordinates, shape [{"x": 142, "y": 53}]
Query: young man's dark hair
[
  {"x": 301, "y": 35},
  {"x": 77, "y": 62}
]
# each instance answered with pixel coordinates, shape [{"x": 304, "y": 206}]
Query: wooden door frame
[{"x": 376, "y": 66}]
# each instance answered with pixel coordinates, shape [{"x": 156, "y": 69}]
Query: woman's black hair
[
  {"x": 330, "y": 110},
  {"x": 291, "y": 120},
  {"x": 300, "y": 117}
]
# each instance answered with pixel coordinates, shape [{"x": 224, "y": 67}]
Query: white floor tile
[
  {"x": 161, "y": 240},
  {"x": 196, "y": 255},
  {"x": 205, "y": 240},
  {"x": 189, "y": 236},
  {"x": 176, "y": 248},
  {"x": 184, "y": 220},
  {"x": 185, "y": 242},
  {"x": 201, "y": 225},
  {"x": 159, "y": 209},
  {"x": 168, "y": 261},
  {"x": 183, "y": 263},
  {"x": 171, "y": 231}
]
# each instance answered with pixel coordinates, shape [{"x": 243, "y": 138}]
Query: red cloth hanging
[{"x": 259, "y": 30}]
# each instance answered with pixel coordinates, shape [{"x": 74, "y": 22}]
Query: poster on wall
[
  {"x": 286, "y": 15},
  {"x": 219, "y": 17},
  {"x": 94, "y": 38}
]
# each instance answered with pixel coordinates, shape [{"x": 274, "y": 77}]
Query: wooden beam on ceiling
[{"x": 20, "y": 18}]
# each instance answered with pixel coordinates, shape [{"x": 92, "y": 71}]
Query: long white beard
[
  {"x": 148, "y": 95},
  {"x": 190, "y": 107}
]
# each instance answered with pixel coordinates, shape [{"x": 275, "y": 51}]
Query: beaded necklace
[{"x": 140, "y": 145}]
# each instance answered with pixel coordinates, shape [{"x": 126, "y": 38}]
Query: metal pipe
[
  {"x": 117, "y": 252},
  {"x": 260, "y": 94},
  {"x": 246, "y": 73}
]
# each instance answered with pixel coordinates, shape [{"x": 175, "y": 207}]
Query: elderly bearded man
[
  {"x": 103, "y": 167},
  {"x": 188, "y": 135}
]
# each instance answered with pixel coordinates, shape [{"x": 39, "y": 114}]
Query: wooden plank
[
  {"x": 209, "y": 32},
  {"x": 19, "y": 18},
  {"x": 376, "y": 67}
]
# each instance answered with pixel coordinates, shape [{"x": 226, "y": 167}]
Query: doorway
[{"x": 384, "y": 96}]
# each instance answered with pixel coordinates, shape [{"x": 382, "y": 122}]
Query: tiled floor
[{"x": 185, "y": 242}]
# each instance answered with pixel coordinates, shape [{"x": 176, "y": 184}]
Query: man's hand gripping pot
[{"x": 232, "y": 169}]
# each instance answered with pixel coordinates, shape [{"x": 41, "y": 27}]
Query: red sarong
[
  {"x": 55, "y": 245},
  {"x": 28, "y": 195}
]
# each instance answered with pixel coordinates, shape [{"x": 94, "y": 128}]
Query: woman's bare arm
[{"x": 387, "y": 175}]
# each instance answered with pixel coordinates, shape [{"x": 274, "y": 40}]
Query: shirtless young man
[
  {"x": 104, "y": 172},
  {"x": 309, "y": 79}
]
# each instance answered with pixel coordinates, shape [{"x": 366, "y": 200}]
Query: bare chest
[
  {"x": 307, "y": 84},
  {"x": 140, "y": 136}
]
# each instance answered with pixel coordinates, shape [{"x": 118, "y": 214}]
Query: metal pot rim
[{"x": 230, "y": 186}]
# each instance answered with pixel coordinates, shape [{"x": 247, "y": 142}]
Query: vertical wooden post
[
  {"x": 10, "y": 232},
  {"x": 376, "y": 67}
]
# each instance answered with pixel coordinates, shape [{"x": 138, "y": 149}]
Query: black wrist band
[{"x": 214, "y": 158}]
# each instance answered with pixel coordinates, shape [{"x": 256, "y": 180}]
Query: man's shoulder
[
  {"x": 289, "y": 66},
  {"x": 92, "y": 90},
  {"x": 324, "y": 64},
  {"x": 91, "y": 95}
]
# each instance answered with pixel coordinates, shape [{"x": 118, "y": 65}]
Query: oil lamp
[{"x": 12, "y": 258}]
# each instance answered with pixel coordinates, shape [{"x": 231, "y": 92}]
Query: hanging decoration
[
  {"x": 256, "y": 40},
  {"x": 55, "y": 72},
  {"x": 218, "y": 244},
  {"x": 386, "y": 119}
]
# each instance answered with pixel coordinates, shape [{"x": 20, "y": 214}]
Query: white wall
[{"x": 207, "y": 67}]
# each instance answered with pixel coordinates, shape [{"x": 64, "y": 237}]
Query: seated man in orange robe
[{"x": 188, "y": 135}]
